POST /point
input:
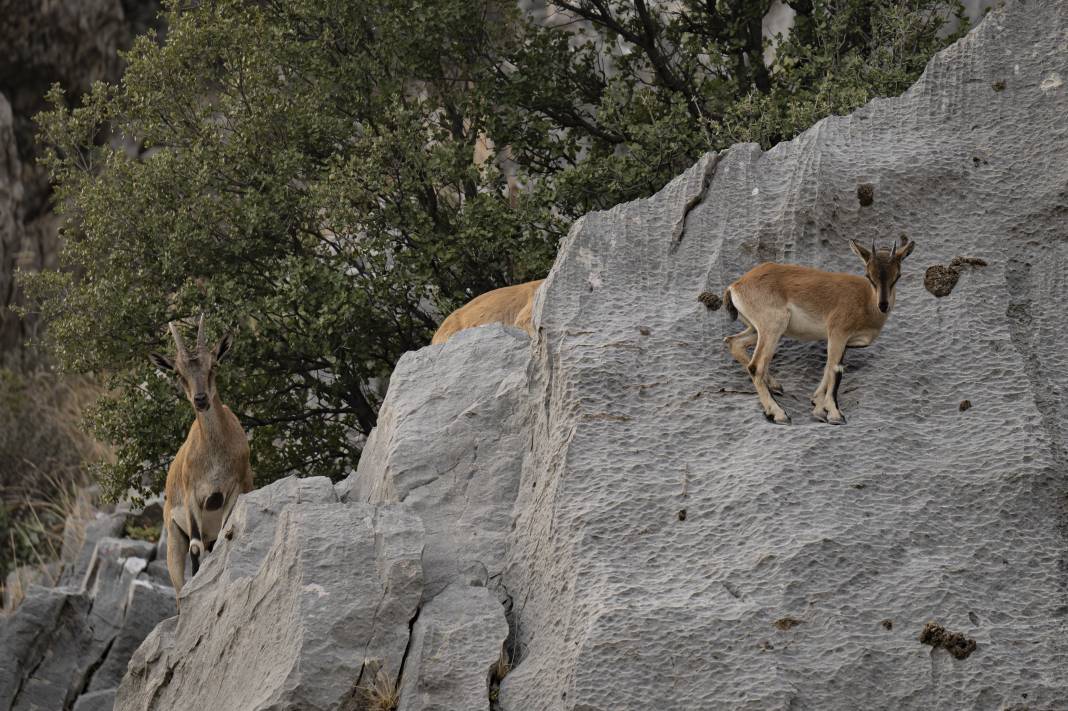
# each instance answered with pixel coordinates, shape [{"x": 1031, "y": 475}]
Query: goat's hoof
[
  {"x": 778, "y": 419},
  {"x": 824, "y": 416}
]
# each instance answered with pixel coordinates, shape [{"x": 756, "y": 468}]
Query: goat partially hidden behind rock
[
  {"x": 776, "y": 300},
  {"x": 212, "y": 466},
  {"x": 510, "y": 305}
]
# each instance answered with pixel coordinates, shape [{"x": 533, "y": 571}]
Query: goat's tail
[{"x": 731, "y": 309}]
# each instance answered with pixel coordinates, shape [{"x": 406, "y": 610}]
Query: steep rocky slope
[
  {"x": 798, "y": 542},
  {"x": 613, "y": 491}
]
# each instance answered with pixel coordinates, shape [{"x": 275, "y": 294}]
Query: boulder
[
  {"x": 49, "y": 647},
  {"x": 674, "y": 550},
  {"x": 455, "y": 641},
  {"x": 450, "y": 443},
  {"x": 301, "y": 596},
  {"x": 69, "y": 646}
]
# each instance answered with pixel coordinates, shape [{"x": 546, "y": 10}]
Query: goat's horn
[
  {"x": 873, "y": 246},
  {"x": 177, "y": 338},
  {"x": 201, "y": 336}
]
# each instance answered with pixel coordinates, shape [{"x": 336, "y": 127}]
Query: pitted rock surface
[{"x": 911, "y": 512}]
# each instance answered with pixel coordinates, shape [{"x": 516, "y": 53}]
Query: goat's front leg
[
  {"x": 177, "y": 548},
  {"x": 767, "y": 340},
  {"x": 825, "y": 399}
]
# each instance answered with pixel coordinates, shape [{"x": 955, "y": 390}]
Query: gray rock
[
  {"x": 456, "y": 639},
  {"x": 50, "y": 648},
  {"x": 147, "y": 604},
  {"x": 62, "y": 641},
  {"x": 291, "y": 623},
  {"x": 912, "y": 512},
  {"x": 103, "y": 700},
  {"x": 157, "y": 572},
  {"x": 80, "y": 536},
  {"x": 450, "y": 443},
  {"x": 20, "y": 579}
]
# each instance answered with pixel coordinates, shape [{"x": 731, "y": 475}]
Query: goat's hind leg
[
  {"x": 767, "y": 341},
  {"x": 739, "y": 344}
]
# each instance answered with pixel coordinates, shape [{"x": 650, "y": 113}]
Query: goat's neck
[{"x": 211, "y": 422}]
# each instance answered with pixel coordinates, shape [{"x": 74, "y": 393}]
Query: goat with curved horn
[{"x": 212, "y": 466}]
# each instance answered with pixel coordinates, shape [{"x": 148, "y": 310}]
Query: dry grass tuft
[
  {"x": 44, "y": 448},
  {"x": 498, "y": 671},
  {"x": 382, "y": 694}
]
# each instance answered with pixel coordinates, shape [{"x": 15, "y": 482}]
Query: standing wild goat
[
  {"x": 212, "y": 465},
  {"x": 510, "y": 305},
  {"x": 776, "y": 300}
]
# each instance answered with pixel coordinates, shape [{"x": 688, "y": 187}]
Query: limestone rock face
[
  {"x": 674, "y": 550},
  {"x": 450, "y": 444},
  {"x": 455, "y": 641},
  {"x": 295, "y": 624},
  {"x": 68, "y": 646},
  {"x": 656, "y": 544}
]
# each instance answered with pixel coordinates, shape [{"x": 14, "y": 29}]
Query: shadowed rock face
[
  {"x": 73, "y": 43},
  {"x": 913, "y": 512}
]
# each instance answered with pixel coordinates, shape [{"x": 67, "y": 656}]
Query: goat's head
[
  {"x": 195, "y": 369},
  {"x": 882, "y": 267}
]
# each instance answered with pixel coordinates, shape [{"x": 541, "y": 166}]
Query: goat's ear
[
  {"x": 905, "y": 249},
  {"x": 861, "y": 252},
  {"x": 161, "y": 361},
  {"x": 223, "y": 347}
]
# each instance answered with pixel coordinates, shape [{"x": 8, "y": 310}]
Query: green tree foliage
[
  {"x": 304, "y": 173},
  {"x": 308, "y": 182},
  {"x": 620, "y": 96}
]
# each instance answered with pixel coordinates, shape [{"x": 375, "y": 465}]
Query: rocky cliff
[
  {"x": 72, "y": 43},
  {"x": 67, "y": 643},
  {"x": 673, "y": 550},
  {"x": 603, "y": 517}
]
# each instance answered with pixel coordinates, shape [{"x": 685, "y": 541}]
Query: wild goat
[
  {"x": 509, "y": 305},
  {"x": 212, "y": 465},
  {"x": 846, "y": 310}
]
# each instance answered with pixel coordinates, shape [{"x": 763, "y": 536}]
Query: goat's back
[{"x": 509, "y": 305}]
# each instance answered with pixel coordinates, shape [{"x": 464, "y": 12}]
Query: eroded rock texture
[
  {"x": 614, "y": 488},
  {"x": 315, "y": 595},
  {"x": 913, "y": 512},
  {"x": 68, "y": 646},
  {"x": 289, "y": 611}
]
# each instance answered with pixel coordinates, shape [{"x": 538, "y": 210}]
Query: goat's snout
[
  {"x": 884, "y": 306},
  {"x": 214, "y": 502},
  {"x": 200, "y": 401}
]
